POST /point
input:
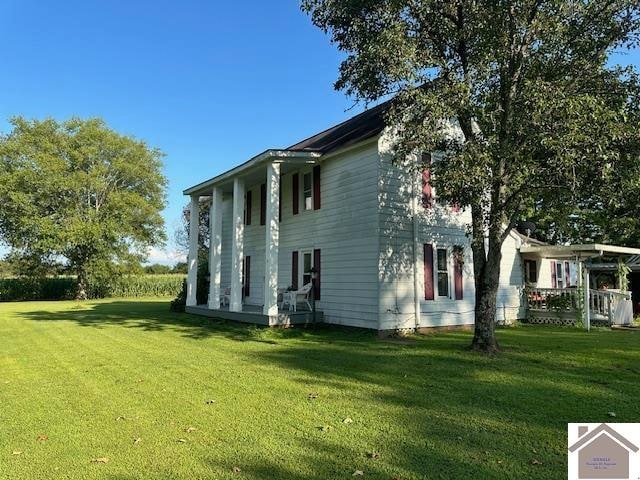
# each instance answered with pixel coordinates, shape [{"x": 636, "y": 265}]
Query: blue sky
[{"x": 209, "y": 83}]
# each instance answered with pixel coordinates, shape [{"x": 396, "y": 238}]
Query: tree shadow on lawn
[
  {"x": 155, "y": 316},
  {"x": 480, "y": 417},
  {"x": 441, "y": 411}
]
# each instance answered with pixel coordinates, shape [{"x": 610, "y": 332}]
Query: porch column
[
  {"x": 587, "y": 305},
  {"x": 215, "y": 247},
  {"x": 192, "y": 272},
  {"x": 237, "y": 246},
  {"x": 272, "y": 240}
]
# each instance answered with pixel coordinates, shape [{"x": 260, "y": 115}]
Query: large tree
[
  {"x": 79, "y": 192},
  {"x": 544, "y": 116}
]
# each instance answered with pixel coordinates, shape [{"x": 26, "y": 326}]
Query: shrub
[
  {"x": 64, "y": 288},
  {"x": 179, "y": 303}
]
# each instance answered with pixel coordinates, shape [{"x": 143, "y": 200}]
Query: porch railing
[{"x": 563, "y": 306}]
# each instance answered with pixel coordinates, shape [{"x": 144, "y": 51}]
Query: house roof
[
  {"x": 582, "y": 251},
  {"x": 599, "y": 430},
  {"x": 359, "y": 128}
]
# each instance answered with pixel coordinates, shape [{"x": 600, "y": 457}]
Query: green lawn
[{"x": 94, "y": 377}]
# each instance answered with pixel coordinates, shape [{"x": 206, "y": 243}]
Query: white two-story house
[{"x": 382, "y": 252}]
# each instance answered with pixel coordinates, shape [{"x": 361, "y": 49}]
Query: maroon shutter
[
  {"x": 427, "y": 195},
  {"x": 428, "y": 272},
  {"x": 316, "y": 265},
  {"x": 247, "y": 276},
  {"x": 457, "y": 278},
  {"x": 567, "y": 275},
  {"x": 294, "y": 270},
  {"x": 554, "y": 278},
  {"x": 263, "y": 204},
  {"x": 247, "y": 208},
  {"x": 295, "y": 193},
  {"x": 316, "y": 187}
]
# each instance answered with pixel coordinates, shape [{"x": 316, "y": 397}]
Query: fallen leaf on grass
[
  {"x": 100, "y": 460},
  {"x": 312, "y": 396},
  {"x": 236, "y": 470},
  {"x": 16, "y": 452},
  {"x": 190, "y": 429},
  {"x": 374, "y": 455},
  {"x": 612, "y": 414},
  {"x": 182, "y": 440},
  {"x": 120, "y": 418},
  {"x": 42, "y": 438},
  {"x": 535, "y": 461},
  {"x": 347, "y": 420},
  {"x": 358, "y": 473},
  {"x": 210, "y": 402},
  {"x": 137, "y": 441},
  {"x": 325, "y": 428}
]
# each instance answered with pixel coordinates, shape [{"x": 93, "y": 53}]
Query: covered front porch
[
  {"x": 582, "y": 302},
  {"x": 231, "y": 300}
]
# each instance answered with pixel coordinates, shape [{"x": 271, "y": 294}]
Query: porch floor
[{"x": 253, "y": 314}]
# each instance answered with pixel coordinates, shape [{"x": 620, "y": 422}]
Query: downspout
[{"x": 416, "y": 246}]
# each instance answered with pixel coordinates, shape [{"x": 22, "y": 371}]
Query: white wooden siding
[{"x": 345, "y": 229}]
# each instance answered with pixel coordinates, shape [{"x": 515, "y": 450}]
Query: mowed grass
[{"x": 94, "y": 377}]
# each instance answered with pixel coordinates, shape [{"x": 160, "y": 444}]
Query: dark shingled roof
[{"x": 361, "y": 127}]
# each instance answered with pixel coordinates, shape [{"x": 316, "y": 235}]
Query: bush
[
  {"x": 179, "y": 303},
  {"x": 64, "y": 288}
]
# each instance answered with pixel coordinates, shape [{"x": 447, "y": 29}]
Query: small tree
[
  {"x": 79, "y": 192},
  {"x": 543, "y": 116}
]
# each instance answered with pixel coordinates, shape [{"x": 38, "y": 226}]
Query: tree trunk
[
  {"x": 484, "y": 338},
  {"x": 81, "y": 286}
]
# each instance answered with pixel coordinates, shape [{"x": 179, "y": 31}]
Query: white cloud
[{"x": 165, "y": 256}]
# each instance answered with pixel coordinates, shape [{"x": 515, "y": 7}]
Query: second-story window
[{"x": 307, "y": 191}]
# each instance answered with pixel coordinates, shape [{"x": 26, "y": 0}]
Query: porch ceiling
[{"x": 579, "y": 251}]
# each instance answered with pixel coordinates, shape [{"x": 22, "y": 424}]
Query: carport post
[{"x": 585, "y": 288}]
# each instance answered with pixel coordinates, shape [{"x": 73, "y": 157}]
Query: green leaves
[{"x": 80, "y": 191}]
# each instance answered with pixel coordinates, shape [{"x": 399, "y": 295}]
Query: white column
[
  {"x": 272, "y": 240},
  {"x": 587, "y": 306},
  {"x": 192, "y": 272},
  {"x": 237, "y": 246},
  {"x": 215, "y": 247}
]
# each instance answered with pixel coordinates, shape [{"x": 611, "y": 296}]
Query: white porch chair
[
  {"x": 225, "y": 296},
  {"x": 291, "y": 298}
]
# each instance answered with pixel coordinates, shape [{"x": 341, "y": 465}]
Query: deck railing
[{"x": 563, "y": 305}]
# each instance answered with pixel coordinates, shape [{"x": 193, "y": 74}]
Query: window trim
[
  {"x": 304, "y": 173},
  {"x": 437, "y": 270},
  {"x": 301, "y": 253}
]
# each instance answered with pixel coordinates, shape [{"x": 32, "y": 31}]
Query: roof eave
[{"x": 267, "y": 155}]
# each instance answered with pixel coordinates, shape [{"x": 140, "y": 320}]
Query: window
[
  {"x": 306, "y": 267},
  {"x": 443, "y": 273},
  {"x": 307, "y": 191},
  {"x": 531, "y": 271},
  {"x": 559, "y": 275}
]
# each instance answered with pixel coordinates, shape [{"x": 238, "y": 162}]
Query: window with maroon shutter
[
  {"x": 263, "y": 204},
  {"x": 295, "y": 193},
  {"x": 458, "y": 263},
  {"x": 428, "y": 272},
  {"x": 316, "y": 265},
  {"x": 316, "y": 187},
  {"x": 247, "y": 208},
  {"x": 427, "y": 192},
  {"x": 294, "y": 270},
  {"x": 567, "y": 275},
  {"x": 554, "y": 275}
]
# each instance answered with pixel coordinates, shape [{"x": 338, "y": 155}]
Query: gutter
[{"x": 416, "y": 246}]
